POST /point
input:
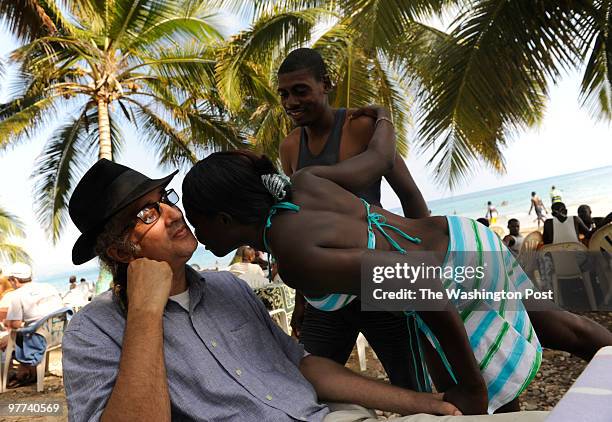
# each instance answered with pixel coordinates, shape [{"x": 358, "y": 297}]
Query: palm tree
[
  {"x": 358, "y": 42},
  {"x": 10, "y": 227},
  {"x": 479, "y": 84},
  {"x": 107, "y": 62}
]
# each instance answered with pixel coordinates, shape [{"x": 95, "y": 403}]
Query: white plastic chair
[
  {"x": 361, "y": 352},
  {"x": 283, "y": 320},
  {"x": 52, "y": 328},
  {"x": 566, "y": 268},
  {"x": 601, "y": 242}
]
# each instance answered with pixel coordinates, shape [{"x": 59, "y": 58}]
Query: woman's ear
[
  {"x": 225, "y": 219},
  {"x": 119, "y": 255}
]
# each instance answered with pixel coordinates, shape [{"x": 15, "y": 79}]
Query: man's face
[
  {"x": 514, "y": 227},
  {"x": 302, "y": 96},
  {"x": 168, "y": 239}
]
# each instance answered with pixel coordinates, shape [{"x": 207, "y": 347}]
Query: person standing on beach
[
  {"x": 555, "y": 195},
  {"x": 492, "y": 213},
  {"x": 538, "y": 205},
  {"x": 326, "y": 136}
]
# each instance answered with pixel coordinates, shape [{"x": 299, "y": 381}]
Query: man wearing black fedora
[{"x": 168, "y": 343}]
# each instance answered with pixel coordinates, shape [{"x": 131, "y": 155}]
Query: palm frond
[
  {"x": 596, "y": 86},
  {"x": 55, "y": 172},
  {"x": 10, "y": 224},
  {"x": 10, "y": 252},
  {"x": 171, "y": 143},
  {"x": 491, "y": 79},
  {"x": 272, "y": 35},
  {"x": 22, "y": 118}
]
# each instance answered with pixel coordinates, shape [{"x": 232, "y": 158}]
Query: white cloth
[
  {"x": 518, "y": 242},
  {"x": 182, "y": 299},
  {"x": 342, "y": 412},
  {"x": 564, "y": 232},
  {"x": 75, "y": 298},
  {"x": 85, "y": 289},
  {"x": 240, "y": 268},
  {"x": 6, "y": 299},
  {"x": 33, "y": 301}
]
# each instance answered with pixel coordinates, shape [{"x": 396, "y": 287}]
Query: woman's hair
[{"x": 230, "y": 182}]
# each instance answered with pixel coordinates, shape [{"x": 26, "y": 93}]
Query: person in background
[
  {"x": 555, "y": 195},
  {"x": 514, "y": 240},
  {"x": 483, "y": 221},
  {"x": 562, "y": 228},
  {"x": 584, "y": 212},
  {"x": 6, "y": 290},
  {"x": 30, "y": 302},
  {"x": 245, "y": 255},
  {"x": 72, "y": 282},
  {"x": 538, "y": 206},
  {"x": 86, "y": 289},
  {"x": 492, "y": 213}
]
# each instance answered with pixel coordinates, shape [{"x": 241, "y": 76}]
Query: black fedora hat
[{"x": 104, "y": 190}]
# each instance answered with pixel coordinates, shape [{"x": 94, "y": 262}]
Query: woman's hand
[{"x": 374, "y": 111}]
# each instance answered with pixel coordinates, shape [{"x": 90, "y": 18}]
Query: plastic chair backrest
[
  {"x": 602, "y": 239},
  {"x": 565, "y": 267},
  {"x": 532, "y": 242}
]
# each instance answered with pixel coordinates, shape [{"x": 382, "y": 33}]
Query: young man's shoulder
[{"x": 359, "y": 129}]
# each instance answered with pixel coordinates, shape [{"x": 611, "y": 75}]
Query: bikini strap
[
  {"x": 285, "y": 205},
  {"x": 380, "y": 221}
]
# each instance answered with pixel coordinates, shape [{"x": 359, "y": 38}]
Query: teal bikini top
[{"x": 374, "y": 219}]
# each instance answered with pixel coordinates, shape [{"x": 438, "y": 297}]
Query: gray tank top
[{"x": 331, "y": 155}]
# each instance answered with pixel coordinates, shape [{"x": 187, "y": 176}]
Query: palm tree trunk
[{"x": 106, "y": 147}]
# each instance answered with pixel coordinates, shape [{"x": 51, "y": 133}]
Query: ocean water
[{"x": 592, "y": 187}]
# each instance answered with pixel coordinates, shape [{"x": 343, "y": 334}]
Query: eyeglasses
[{"x": 151, "y": 212}]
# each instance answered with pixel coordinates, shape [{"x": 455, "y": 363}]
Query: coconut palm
[
  {"x": 111, "y": 63},
  {"x": 359, "y": 69},
  {"x": 11, "y": 227}
]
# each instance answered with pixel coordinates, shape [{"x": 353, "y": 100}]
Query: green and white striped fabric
[{"x": 500, "y": 333}]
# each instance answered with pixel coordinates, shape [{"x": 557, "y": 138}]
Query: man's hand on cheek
[{"x": 148, "y": 286}]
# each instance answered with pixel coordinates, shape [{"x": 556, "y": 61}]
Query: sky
[{"x": 566, "y": 141}]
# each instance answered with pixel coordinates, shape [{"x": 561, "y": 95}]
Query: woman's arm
[{"x": 359, "y": 172}]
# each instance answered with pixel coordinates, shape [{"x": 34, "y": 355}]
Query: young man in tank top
[{"x": 325, "y": 136}]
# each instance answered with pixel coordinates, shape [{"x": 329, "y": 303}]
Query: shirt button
[
  {"x": 214, "y": 343},
  {"x": 238, "y": 372},
  {"x": 269, "y": 397}
]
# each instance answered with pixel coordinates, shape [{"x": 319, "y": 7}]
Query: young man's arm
[
  {"x": 335, "y": 383},
  {"x": 402, "y": 183},
  {"x": 362, "y": 170}
]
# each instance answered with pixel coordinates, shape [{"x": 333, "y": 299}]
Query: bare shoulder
[
  {"x": 359, "y": 128},
  {"x": 292, "y": 139}
]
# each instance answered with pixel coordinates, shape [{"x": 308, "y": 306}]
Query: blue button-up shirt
[{"x": 225, "y": 358}]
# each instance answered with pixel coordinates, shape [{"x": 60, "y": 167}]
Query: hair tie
[{"x": 276, "y": 184}]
